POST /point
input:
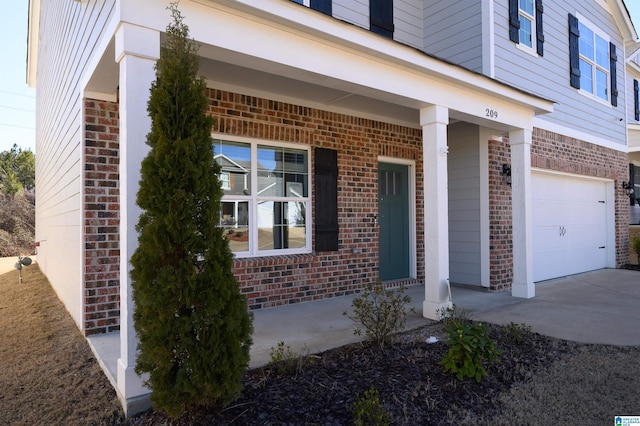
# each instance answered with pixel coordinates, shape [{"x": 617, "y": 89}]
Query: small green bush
[
  {"x": 380, "y": 312},
  {"x": 367, "y": 410},
  {"x": 469, "y": 347},
  {"x": 635, "y": 246}
]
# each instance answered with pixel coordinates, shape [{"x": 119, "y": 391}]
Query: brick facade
[
  {"x": 278, "y": 280},
  {"x": 500, "y": 234},
  {"x": 101, "y": 218},
  {"x": 559, "y": 153}
]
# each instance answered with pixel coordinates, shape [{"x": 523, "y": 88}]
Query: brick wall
[
  {"x": 556, "y": 152},
  {"x": 500, "y": 236},
  {"x": 277, "y": 280},
  {"x": 101, "y": 218}
]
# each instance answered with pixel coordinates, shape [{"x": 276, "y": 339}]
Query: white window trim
[
  {"x": 597, "y": 31},
  {"x": 524, "y": 47},
  {"x": 225, "y": 183},
  {"x": 253, "y": 199}
]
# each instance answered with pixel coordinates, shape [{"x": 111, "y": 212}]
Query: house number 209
[{"x": 491, "y": 113}]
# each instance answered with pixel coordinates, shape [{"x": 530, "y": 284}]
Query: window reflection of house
[{"x": 234, "y": 178}]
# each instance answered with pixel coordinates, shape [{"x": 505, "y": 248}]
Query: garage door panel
[{"x": 569, "y": 225}]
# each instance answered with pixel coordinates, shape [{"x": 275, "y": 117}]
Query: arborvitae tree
[{"x": 192, "y": 322}]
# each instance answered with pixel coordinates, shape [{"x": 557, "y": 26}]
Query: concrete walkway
[{"x": 595, "y": 307}]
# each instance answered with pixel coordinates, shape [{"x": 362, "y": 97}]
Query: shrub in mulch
[{"x": 412, "y": 386}]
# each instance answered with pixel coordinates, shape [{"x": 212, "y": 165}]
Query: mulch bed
[{"x": 414, "y": 389}]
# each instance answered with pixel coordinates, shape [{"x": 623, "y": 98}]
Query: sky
[{"x": 17, "y": 100}]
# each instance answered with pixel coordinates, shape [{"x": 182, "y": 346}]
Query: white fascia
[{"x": 33, "y": 37}]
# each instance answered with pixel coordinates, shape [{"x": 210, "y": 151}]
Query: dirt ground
[{"x": 48, "y": 375}]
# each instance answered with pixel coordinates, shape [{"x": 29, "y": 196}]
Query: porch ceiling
[
  {"x": 307, "y": 89},
  {"x": 256, "y": 77}
]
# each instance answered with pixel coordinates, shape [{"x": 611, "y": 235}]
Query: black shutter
[
  {"x": 636, "y": 101},
  {"x": 514, "y": 21},
  {"x": 613, "y": 62},
  {"x": 632, "y": 182},
  {"x": 539, "y": 31},
  {"x": 381, "y": 17},
  {"x": 574, "y": 51},
  {"x": 323, "y": 6},
  {"x": 326, "y": 199}
]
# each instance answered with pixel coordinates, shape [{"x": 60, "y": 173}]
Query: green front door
[{"x": 393, "y": 213}]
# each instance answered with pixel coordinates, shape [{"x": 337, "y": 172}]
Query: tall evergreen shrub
[{"x": 192, "y": 321}]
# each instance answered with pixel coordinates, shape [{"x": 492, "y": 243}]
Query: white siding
[
  {"x": 407, "y": 18},
  {"x": 453, "y": 31},
  {"x": 464, "y": 204},
  {"x": 353, "y": 11},
  {"x": 633, "y": 73},
  {"x": 69, "y": 32},
  {"x": 548, "y": 76}
]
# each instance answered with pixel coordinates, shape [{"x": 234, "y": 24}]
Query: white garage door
[{"x": 569, "y": 225}]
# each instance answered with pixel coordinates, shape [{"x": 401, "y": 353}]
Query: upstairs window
[
  {"x": 592, "y": 60},
  {"x": 323, "y": 6},
  {"x": 525, "y": 24},
  {"x": 636, "y": 102}
]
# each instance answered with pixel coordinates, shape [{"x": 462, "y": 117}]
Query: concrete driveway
[{"x": 594, "y": 307}]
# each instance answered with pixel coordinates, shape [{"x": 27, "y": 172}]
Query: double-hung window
[
  {"x": 527, "y": 20},
  {"x": 593, "y": 60},
  {"x": 525, "y": 25},
  {"x": 266, "y": 203}
]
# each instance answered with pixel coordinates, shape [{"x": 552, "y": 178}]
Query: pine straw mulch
[{"x": 49, "y": 376}]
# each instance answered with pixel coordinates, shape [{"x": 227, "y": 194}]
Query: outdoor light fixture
[
  {"x": 628, "y": 188},
  {"x": 22, "y": 261},
  {"x": 506, "y": 174}
]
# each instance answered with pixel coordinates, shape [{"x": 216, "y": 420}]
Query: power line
[
  {"x": 17, "y": 94},
  {"x": 18, "y": 126},
  {"x": 17, "y": 109}
]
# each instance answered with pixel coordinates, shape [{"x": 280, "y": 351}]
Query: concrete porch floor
[{"x": 594, "y": 307}]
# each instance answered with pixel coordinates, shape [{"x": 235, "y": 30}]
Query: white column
[
  {"x": 434, "y": 121},
  {"x": 137, "y": 50},
  {"x": 520, "y": 141}
]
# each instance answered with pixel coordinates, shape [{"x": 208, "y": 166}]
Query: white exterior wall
[
  {"x": 574, "y": 114},
  {"x": 633, "y": 73},
  {"x": 69, "y": 32}
]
